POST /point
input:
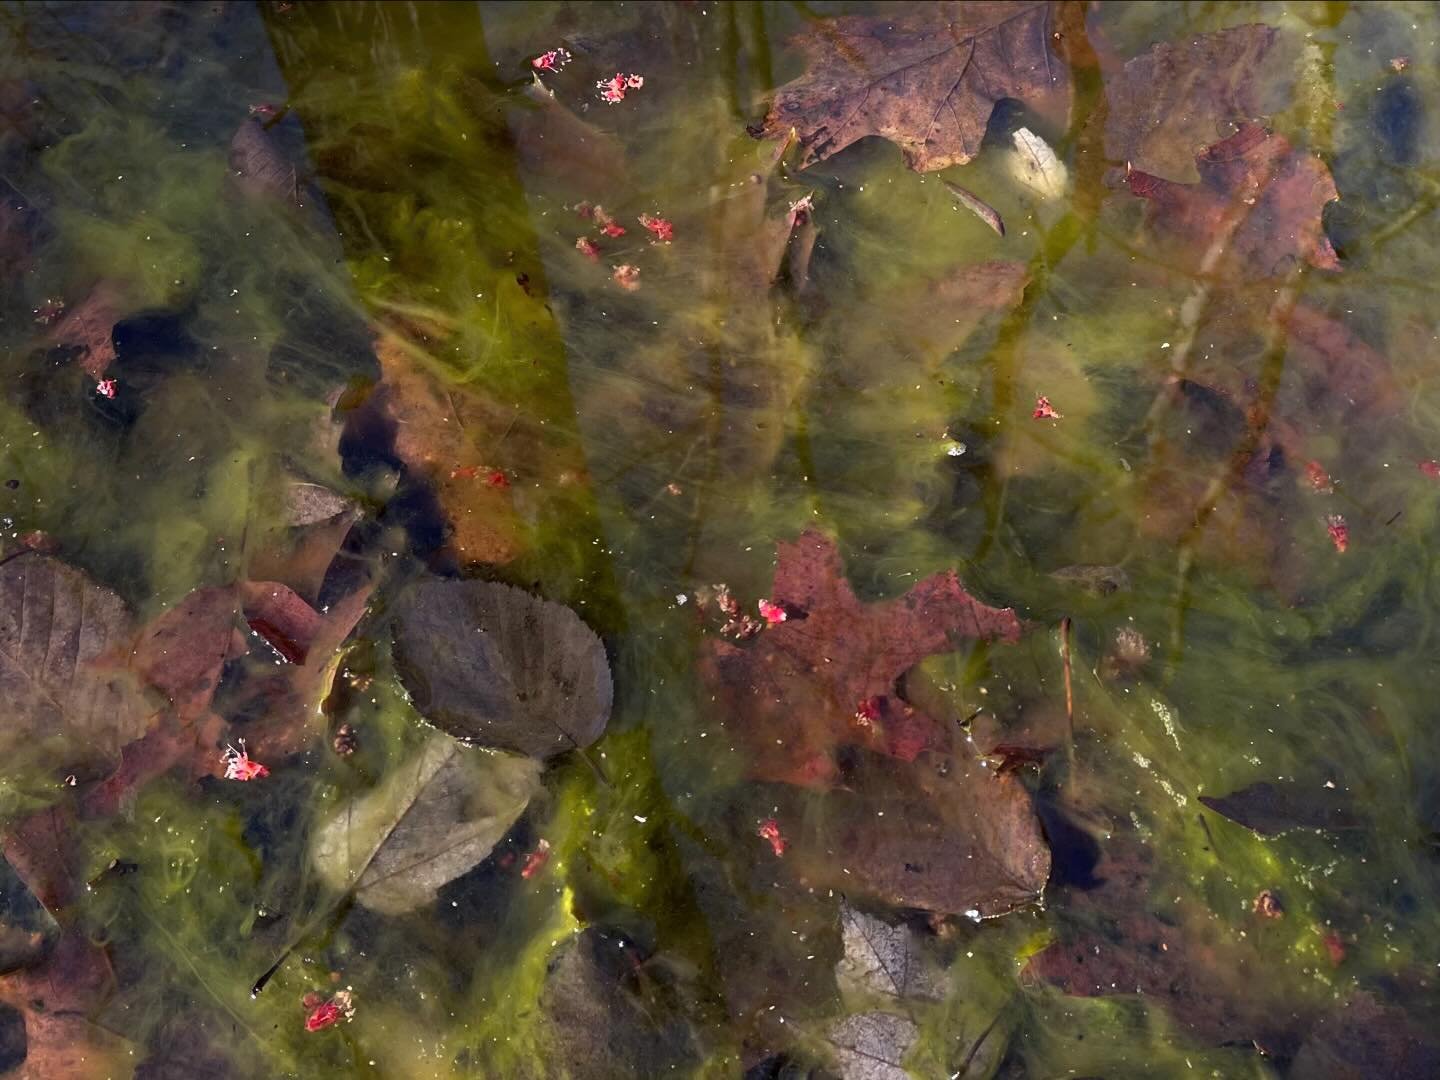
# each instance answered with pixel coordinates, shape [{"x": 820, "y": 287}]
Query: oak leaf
[
  {"x": 926, "y": 79},
  {"x": 794, "y": 693}
]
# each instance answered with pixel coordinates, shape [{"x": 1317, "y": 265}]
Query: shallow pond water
[{"x": 313, "y": 312}]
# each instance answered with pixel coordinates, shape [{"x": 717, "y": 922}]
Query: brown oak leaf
[
  {"x": 1255, "y": 212},
  {"x": 926, "y": 79},
  {"x": 827, "y": 675}
]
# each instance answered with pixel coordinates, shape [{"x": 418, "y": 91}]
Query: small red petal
[
  {"x": 1430, "y": 469},
  {"x": 770, "y": 830},
  {"x": 1044, "y": 410},
  {"x": 1318, "y": 477},
  {"x": 323, "y": 1016},
  {"x": 1339, "y": 532},
  {"x": 535, "y": 861}
]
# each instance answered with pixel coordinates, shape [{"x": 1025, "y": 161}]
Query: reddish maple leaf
[
  {"x": 1257, "y": 198},
  {"x": 793, "y": 691}
]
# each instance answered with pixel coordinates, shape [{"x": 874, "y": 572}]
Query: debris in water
[
  {"x": 106, "y": 388},
  {"x": 1339, "y": 532},
  {"x": 535, "y": 861},
  {"x": 772, "y": 613},
  {"x": 1319, "y": 479},
  {"x": 326, "y": 1014},
  {"x": 238, "y": 765},
  {"x": 770, "y": 830},
  {"x": 587, "y": 247},
  {"x": 627, "y": 277},
  {"x": 663, "y": 230},
  {"x": 553, "y": 60},
  {"x": 1044, "y": 410}
]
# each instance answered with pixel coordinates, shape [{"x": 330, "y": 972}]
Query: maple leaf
[
  {"x": 1172, "y": 99},
  {"x": 926, "y": 80},
  {"x": 801, "y": 681},
  {"x": 1257, "y": 196}
]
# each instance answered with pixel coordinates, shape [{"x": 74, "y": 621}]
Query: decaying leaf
[
  {"x": 182, "y": 651},
  {"x": 259, "y": 166},
  {"x": 926, "y": 78},
  {"x": 1035, "y": 165},
  {"x": 1116, "y": 940},
  {"x": 793, "y": 694},
  {"x": 1273, "y": 809},
  {"x": 871, "y": 1046},
  {"x": 1172, "y": 100},
  {"x": 63, "y": 639},
  {"x": 943, "y": 834},
  {"x": 445, "y": 439},
  {"x": 1266, "y": 197},
  {"x": 977, "y": 206},
  {"x": 495, "y": 666},
  {"x": 59, "y": 1000},
  {"x": 595, "y": 1026},
  {"x": 89, "y": 327},
  {"x": 884, "y": 959},
  {"x": 310, "y": 504},
  {"x": 436, "y": 816}
]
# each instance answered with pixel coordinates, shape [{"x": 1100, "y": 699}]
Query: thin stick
[{"x": 1069, "y": 691}]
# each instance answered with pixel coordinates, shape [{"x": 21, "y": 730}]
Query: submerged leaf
[
  {"x": 1173, "y": 99},
  {"x": 1273, "y": 809},
  {"x": 884, "y": 959},
  {"x": 870, "y": 1046},
  {"x": 977, "y": 206},
  {"x": 1258, "y": 199},
  {"x": 63, "y": 704},
  {"x": 436, "y": 816},
  {"x": 800, "y": 684},
  {"x": 495, "y": 666},
  {"x": 926, "y": 79}
]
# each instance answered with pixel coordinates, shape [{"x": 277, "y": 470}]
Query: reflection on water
[{"x": 305, "y": 304}]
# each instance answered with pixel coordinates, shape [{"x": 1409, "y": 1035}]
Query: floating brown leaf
[
  {"x": 67, "y": 701},
  {"x": 794, "y": 693},
  {"x": 926, "y": 78},
  {"x": 1258, "y": 197},
  {"x": 1172, "y": 100}
]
